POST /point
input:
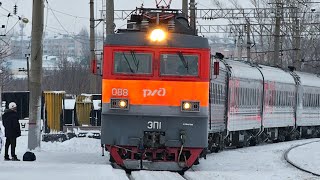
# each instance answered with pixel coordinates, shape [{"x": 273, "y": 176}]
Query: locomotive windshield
[
  {"x": 179, "y": 64},
  {"x": 132, "y": 63}
]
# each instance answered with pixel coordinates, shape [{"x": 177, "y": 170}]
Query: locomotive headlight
[
  {"x": 186, "y": 106},
  {"x": 190, "y": 106},
  {"x": 119, "y": 103},
  {"x": 122, "y": 103},
  {"x": 158, "y": 35}
]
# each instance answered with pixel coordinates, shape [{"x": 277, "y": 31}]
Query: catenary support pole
[
  {"x": 94, "y": 79},
  {"x": 248, "y": 41},
  {"x": 34, "y": 136},
  {"x": 277, "y": 34},
  {"x": 185, "y": 7},
  {"x": 109, "y": 17},
  {"x": 193, "y": 16}
]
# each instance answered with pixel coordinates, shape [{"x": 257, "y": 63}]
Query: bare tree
[
  {"x": 297, "y": 43},
  {"x": 4, "y": 54},
  {"x": 83, "y": 39}
]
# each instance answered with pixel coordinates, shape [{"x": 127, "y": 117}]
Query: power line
[
  {"x": 57, "y": 18},
  {"x": 80, "y": 17}
]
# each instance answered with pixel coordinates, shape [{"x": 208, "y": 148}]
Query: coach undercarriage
[
  {"x": 238, "y": 139},
  {"x": 309, "y": 131}
]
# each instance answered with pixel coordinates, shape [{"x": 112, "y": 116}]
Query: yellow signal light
[{"x": 158, "y": 35}]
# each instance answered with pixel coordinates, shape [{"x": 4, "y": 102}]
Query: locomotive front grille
[{"x": 153, "y": 139}]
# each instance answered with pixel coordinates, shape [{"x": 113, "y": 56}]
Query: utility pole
[
  {"x": 35, "y": 75},
  {"x": 109, "y": 17},
  {"x": 185, "y": 7},
  {"x": 28, "y": 70},
  {"x": 248, "y": 41},
  {"x": 193, "y": 16},
  {"x": 1, "y": 95},
  {"x": 239, "y": 45},
  {"x": 93, "y": 84},
  {"x": 276, "y": 54}
]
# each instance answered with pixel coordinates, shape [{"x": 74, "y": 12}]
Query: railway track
[
  {"x": 156, "y": 175},
  {"x": 297, "y": 166}
]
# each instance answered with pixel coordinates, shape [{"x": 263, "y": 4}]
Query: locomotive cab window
[
  {"x": 179, "y": 64},
  {"x": 132, "y": 63}
]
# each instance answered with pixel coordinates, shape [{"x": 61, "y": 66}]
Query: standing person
[
  {"x": 12, "y": 130},
  {"x": 0, "y": 138}
]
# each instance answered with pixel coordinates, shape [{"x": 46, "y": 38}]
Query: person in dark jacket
[{"x": 12, "y": 130}]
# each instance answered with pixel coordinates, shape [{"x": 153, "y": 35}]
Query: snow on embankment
[{"x": 307, "y": 157}]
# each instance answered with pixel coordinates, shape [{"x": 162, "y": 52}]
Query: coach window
[
  {"x": 278, "y": 96},
  {"x": 257, "y": 96},
  {"x": 218, "y": 94},
  {"x": 251, "y": 95},
  {"x": 313, "y": 100},
  {"x": 284, "y": 98},
  {"x": 285, "y": 94},
  {"x": 179, "y": 64},
  {"x": 271, "y": 98},
  {"x": 242, "y": 96},
  {"x": 274, "y": 98},
  {"x": 246, "y": 97},
  {"x": 305, "y": 99},
  {"x": 237, "y": 96},
  {"x": 132, "y": 63},
  {"x": 308, "y": 100},
  {"x": 215, "y": 93}
]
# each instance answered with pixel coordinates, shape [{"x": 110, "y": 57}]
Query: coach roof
[
  {"x": 276, "y": 75},
  {"x": 308, "y": 79}
]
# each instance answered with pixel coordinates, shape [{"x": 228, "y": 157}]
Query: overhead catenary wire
[
  {"x": 67, "y": 14},
  {"x": 72, "y": 35}
]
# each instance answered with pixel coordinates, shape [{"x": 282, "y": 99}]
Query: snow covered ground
[
  {"x": 80, "y": 159},
  {"x": 259, "y": 162},
  {"x": 307, "y": 157}
]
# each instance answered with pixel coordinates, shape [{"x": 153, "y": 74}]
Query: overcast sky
[{"x": 79, "y": 9}]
